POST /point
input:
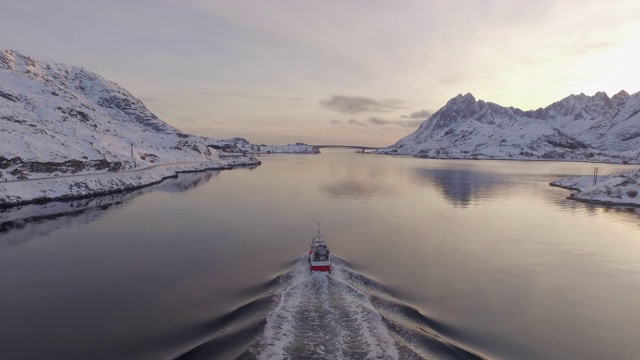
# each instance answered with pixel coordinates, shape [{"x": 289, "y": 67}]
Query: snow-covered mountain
[
  {"x": 244, "y": 146},
  {"x": 57, "y": 118},
  {"x": 578, "y": 127}
]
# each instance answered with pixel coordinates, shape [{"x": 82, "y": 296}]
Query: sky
[{"x": 361, "y": 72}]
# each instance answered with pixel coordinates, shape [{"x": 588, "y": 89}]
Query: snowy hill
[
  {"x": 243, "y": 146},
  {"x": 619, "y": 189},
  {"x": 578, "y": 127},
  {"x": 60, "y": 119},
  {"x": 68, "y": 133}
]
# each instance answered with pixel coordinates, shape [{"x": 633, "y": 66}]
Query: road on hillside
[{"x": 108, "y": 173}]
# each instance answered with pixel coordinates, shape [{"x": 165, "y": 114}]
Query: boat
[{"x": 319, "y": 254}]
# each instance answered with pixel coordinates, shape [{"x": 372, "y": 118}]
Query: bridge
[{"x": 361, "y": 148}]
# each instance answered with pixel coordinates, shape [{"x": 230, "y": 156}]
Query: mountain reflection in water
[
  {"x": 20, "y": 224},
  {"x": 462, "y": 187},
  {"x": 356, "y": 190}
]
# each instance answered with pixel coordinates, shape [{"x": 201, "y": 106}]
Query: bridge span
[{"x": 361, "y": 148}]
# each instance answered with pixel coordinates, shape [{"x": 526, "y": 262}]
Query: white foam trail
[
  {"x": 370, "y": 325},
  {"x": 279, "y": 332},
  {"x": 321, "y": 315}
]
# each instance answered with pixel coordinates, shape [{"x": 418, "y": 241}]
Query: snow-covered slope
[
  {"x": 616, "y": 189},
  {"x": 239, "y": 144},
  {"x": 578, "y": 127},
  {"x": 57, "y": 118},
  {"x": 62, "y": 118}
]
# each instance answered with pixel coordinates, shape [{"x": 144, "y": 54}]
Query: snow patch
[{"x": 621, "y": 188}]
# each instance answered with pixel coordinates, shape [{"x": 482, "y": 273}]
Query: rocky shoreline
[
  {"x": 43, "y": 190},
  {"x": 619, "y": 189}
]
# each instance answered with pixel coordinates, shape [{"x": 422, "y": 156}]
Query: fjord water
[{"x": 434, "y": 259}]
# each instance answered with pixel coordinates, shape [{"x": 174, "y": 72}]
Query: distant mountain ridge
[
  {"x": 58, "y": 119},
  {"x": 578, "y": 127}
]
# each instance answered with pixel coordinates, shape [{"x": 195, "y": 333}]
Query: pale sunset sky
[{"x": 332, "y": 72}]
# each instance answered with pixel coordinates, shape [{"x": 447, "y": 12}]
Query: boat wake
[{"x": 320, "y": 315}]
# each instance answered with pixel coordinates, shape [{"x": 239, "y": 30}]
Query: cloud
[
  {"x": 359, "y": 104},
  {"x": 590, "y": 48},
  {"x": 422, "y": 114},
  {"x": 403, "y": 123},
  {"x": 411, "y": 123},
  {"x": 378, "y": 121},
  {"x": 356, "y": 122},
  {"x": 449, "y": 79}
]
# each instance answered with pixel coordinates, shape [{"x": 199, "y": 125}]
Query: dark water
[{"x": 434, "y": 259}]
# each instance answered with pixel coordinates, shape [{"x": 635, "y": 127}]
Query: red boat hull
[{"x": 321, "y": 268}]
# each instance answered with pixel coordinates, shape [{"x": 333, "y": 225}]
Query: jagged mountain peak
[
  {"x": 578, "y": 127},
  {"x": 598, "y": 96},
  {"x": 620, "y": 97},
  {"x": 579, "y": 106},
  {"x": 76, "y": 84},
  {"x": 467, "y": 98},
  {"x": 622, "y": 93},
  {"x": 601, "y": 95},
  {"x": 573, "y": 98}
]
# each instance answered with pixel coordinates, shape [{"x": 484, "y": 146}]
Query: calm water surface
[{"x": 434, "y": 259}]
